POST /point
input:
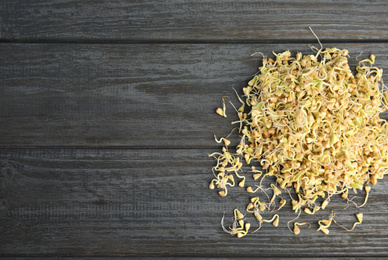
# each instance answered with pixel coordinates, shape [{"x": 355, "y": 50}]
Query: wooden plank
[
  {"x": 138, "y": 95},
  {"x": 120, "y": 202},
  {"x": 179, "y": 20}
]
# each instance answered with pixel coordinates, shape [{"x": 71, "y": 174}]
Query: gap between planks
[
  {"x": 84, "y": 147},
  {"x": 129, "y": 42}
]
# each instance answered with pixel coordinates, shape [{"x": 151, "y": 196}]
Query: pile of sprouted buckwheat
[{"x": 314, "y": 127}]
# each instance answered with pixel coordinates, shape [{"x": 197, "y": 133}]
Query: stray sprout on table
[
  {"x": 239, "y": 228},
  {"x": 314, "y": 127}
]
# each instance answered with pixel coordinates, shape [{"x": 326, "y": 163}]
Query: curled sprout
[
  {"x": 222, "y": 111},
  {"x": 359, "y": 217},
  {"x": 296, "y": 227},
  {"x": 367, "y": 190}
]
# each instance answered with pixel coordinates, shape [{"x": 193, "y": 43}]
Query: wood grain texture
[
  {"x": 107, "y": 119},
  {"x": 261, "y": 21},
  {"x": 134, "y": 95},
  {"x": 120, "y": 202}
]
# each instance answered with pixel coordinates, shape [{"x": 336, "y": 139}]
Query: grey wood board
[
  {"x": 149, "y": 202},
  {"x": 130, "y": 95},
  {"x": 62, "y": 20}
]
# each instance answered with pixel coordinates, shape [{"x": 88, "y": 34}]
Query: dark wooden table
[{"x": 107, "y": 119}]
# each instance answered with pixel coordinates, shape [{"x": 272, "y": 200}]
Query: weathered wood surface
[
  {"x": 138, "y": 95},
  {"x": 115, "y": 202},
  {"x": 262, "y": 21},
  {"x": 107, "y": 118}
]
